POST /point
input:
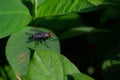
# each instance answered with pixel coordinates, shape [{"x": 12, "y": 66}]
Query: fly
[{"x": 40, "y": 37}]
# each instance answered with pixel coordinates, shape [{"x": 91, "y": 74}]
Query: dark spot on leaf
[{"x": 22, "y": 57}]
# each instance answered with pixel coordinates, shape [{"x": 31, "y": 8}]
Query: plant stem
[{"x": 35, "y": 9}]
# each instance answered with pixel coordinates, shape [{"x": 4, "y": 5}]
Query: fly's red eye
[{"x": 50, "y": 34}]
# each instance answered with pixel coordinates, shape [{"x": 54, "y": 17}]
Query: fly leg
[
  {"x": 46, "y": 43},
  {"x": 36, "y": 43}
]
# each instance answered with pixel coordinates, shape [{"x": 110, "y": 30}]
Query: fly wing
[{"x": 30, "y": 38}]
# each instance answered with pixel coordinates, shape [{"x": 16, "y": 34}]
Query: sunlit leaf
[
  {"x": 13, "y": 17},
  {"x": 47, "y": 65},
  {"x": 60, "y": 7},
  {"x": 19, "y": 50}
]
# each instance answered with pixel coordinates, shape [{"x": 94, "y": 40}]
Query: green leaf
[
  {"x": 111, "y": 65},
  {"x": 114, "y": 2},
  {"x": 1, "y": 78},
  {"x": 108, "y": 14},
  {"x": 58, "y": 23},
  {"x": 18, "y": 49},
  {"x": 13, "y": 17},
  {"x": 78, "y": 31},
  {"x": 10, "y": 73},
  {"x": 48, "y": 65},
  {"x": 97, "y": 2},
  {"x": 60, "y": 7},
  {"x": 105, "y": 2},
  {"x": 81, "y": 76},
  {"x": 7, "y": 73}
]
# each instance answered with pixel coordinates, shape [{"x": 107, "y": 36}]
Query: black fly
[{"x": 40, "y": 37}]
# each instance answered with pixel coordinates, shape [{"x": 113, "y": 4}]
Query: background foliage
[{"x": 86, "y": 45}]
